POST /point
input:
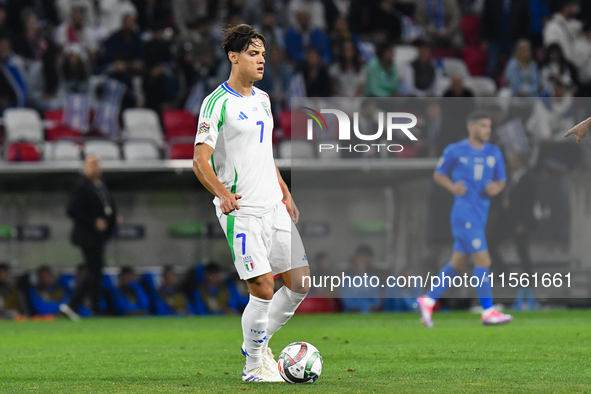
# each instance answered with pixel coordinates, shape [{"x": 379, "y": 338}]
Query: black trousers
[
  {"x": 521, "y": 240},
  {"x": 91, "y": 284}
]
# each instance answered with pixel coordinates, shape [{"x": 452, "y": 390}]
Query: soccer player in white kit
[{"x": 233, "y": 159}]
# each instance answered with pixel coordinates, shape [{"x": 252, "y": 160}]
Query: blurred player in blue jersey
[{"x": 473, "y": 171}]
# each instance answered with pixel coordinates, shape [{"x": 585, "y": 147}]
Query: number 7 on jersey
[{"x": 262, "y": 124}]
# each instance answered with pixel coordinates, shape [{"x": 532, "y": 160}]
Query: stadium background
[{"x": 80, "y": 83}]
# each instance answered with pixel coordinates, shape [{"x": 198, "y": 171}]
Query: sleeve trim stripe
[
  {"x": 211, "y": 96},
  {"x": 222, "y": 115},
  {"x": 214, "y": 103},
  {"x": 212, "y": 100}
]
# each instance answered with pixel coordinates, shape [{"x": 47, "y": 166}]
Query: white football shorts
[{"x": 259, "y": 245}]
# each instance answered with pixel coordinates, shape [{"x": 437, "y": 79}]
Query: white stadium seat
[
  {"x": 62, "y": 150},
  {"x": 141, "y": 123},
  {"x": 403, "y": 56},
  {"x": 136, "y": 150},
  {"x": 443, "y": 83},
  {"x": 329, "y": 154},
  {"x": 481, "y": 86},
  {"x": 296, "y": 149},
  {"x": 104, "y": 149},
  {"x": 23, "y": 124},
  {"x": 453, "y": 67}
]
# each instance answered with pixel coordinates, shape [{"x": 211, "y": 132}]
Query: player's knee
[
  {"x": 482, "y": 259},
  {"x": 264, "y": 292},
  {"x": 267, "y": 293},
  {"x": 301, "y": 280},
  {"x": 458, "y": 261},
  {"x": 262, "y": 286},
  {"x": 484, "y": 263},
  {"x": 302, "y": 288}
]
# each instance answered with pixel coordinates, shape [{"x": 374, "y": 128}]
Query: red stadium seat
[
  {"x": 179, "y": 124},
  {"x": 57, "y": 130},
  {"x": 181, "y": 151},
  {"x": 299, "y": 121},
  {"x": 471, "y": 29},
  {"x": 319, "y": 305},
  {"x": 441, "y": 52},
  {"x": 475, "y": 59},
  {"x": 55, "y": 115},
  {"x": 23, "y": 151},
  {"x": 61, "y": 132},
  {"x": 285, "y": 123},
  {"x": 408, "y": 152}
]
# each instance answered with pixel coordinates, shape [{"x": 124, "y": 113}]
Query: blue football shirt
[{"x": 476, "y": 168}]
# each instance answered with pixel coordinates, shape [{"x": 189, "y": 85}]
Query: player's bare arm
[
  {"x": 493, "y": 188},
  {"x": 457, "y": 189},
  {"x": 207, "y": 177},
  {"x": 580, "y": 130},
  {"x": 289, "y": 203}
]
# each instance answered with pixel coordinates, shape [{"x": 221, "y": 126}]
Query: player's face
[
  {"x": 45, "y": 278},
  {"x": 92, "y": 167},
  {"x": 251, "y": 62},
  {"x": 3, "y": 276},
  {"x": 170, "y": 278},
  {"x": 126, "y": 279},
  {"x": 480, "y": 129}
]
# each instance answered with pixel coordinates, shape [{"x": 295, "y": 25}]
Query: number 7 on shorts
[{"x": 243, "y": 236}]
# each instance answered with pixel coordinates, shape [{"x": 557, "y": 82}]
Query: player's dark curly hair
[
  {"x": 239, "y": 37},
  {"x": 475, "y": 116}
]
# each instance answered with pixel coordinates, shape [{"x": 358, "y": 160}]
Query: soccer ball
[{"x": 300, "y": 362}]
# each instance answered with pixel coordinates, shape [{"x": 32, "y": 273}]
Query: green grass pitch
[{"x": 540, "y": 352}]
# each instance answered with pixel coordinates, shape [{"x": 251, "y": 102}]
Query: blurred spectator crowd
[
  {"x": 205, "y": 289},
  {"x": 83, "y": 64},
  {"x": 201, "y": 290}
]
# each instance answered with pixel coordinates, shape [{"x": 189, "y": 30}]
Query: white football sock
[
  {"x": 255, "y": 320},
  {"x": 284, "y": 304}
]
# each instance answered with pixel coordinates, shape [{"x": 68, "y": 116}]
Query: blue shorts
[{"x": 468, "y": 237}]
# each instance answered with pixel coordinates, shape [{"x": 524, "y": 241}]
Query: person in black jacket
[
  {"x": 93, "y": 210},
  {"x": 503, "y": 23},
  {"x": 515, "y": 219}
]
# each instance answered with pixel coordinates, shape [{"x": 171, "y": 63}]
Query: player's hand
[
  {"x": 458, "y": 188},
  {"x": 493, "y": 188},
  {"x": 101, "y": 225},
  {"x": 292, "y": 210},
  {"x": 580, "y": 131},
  {"x": 229, "y": 203}
]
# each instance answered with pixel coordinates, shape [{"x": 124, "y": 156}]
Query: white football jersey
[{"x": 239, "y": 129}]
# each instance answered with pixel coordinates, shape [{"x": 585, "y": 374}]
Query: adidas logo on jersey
[{"x": 242, "y": 116}]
